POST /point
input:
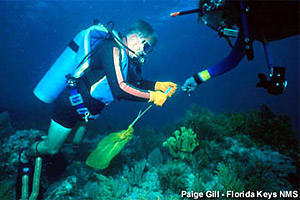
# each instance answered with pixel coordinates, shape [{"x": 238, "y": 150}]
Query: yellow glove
[
  {"x": 164, "y": 86},
  {"x": 158, "y": 98}
]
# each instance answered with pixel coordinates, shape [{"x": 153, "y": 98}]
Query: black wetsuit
[
  {"x": 102, "y": 64},
  {"x": 267, "y": 21}
]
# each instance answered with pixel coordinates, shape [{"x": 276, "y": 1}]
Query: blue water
[{"x": 34, "y": 33}]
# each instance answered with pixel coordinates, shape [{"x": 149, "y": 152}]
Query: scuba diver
[
  {"x": 263, "y": 21},
  {"x": 97, "y": 67}
]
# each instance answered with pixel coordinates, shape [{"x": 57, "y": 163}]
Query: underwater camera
[{"x": 277, "y": 83}]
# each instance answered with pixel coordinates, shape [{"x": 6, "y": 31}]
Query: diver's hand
[
  {"x": 190, "y": 85},
  {"x": 158, "y": 98},
  {"x": 164, "y": 86}
]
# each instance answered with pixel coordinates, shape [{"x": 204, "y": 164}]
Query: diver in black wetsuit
[
  {"x": 113, "y": 73},
  {"x": 263, "y": 21}
]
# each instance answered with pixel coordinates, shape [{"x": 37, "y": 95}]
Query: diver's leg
[
  {"x": 64, "y": 118},
  {"x": 79, "y": 133},
  {"x": 57, "y": 135}
]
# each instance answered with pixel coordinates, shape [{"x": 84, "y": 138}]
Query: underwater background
[{"x": 236, "y": 123}]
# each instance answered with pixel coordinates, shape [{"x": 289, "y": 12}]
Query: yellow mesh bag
[
  {"x": 112, "y": 144},
  {"x": 108, "y": 148}
]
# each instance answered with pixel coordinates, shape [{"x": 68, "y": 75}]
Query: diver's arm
[
  {"x": 231, "y": 61},
  {"x": 164, "y": 87},
  {"x": 110, "y": 60},
  {"x": 119, "y": 87},
  {"x": 147, "y": 85},
  {"x": 142, "y": 83}
]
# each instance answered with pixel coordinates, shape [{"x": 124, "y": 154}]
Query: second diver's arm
[
  {"x": 228, "y": 63},
  {"x": 231, "y": 61}
]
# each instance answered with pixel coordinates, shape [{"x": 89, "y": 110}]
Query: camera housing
[{"x": 277, "y": 82}]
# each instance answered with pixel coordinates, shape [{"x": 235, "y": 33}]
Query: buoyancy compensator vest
[{"x": 74, "y": 60}]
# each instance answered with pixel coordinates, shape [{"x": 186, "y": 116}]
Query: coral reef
[
  {"x": 64, "y": 188},
  {"x": 182, "y": 145},
  {"x": 149, "y": 138},
  {"x": 217, "y": 152},
  {"x": 135, "y": 176},
  {"x": 228, "y": 178},
  {"x": 176, "y": 176},
  {"x": 110, "y": 188},
  {"x": 267, "y": 128},
  {"x": 10, "y": 148},
  {"x": 155, "y": 158},
  {"x": 206, "y": 124},
  {"x": 6, "y": 191},
  {"x": 209, "y": 152}
]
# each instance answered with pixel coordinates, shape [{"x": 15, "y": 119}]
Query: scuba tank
[
  {"x": 54, "y": 81},
  {"x": 74, "y": 60}
]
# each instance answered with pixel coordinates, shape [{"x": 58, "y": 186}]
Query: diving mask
[
  {"x": 147, "y": 47},
  {"x": 219, "y": 15},
  {"x": 208, "y": 6},
  {"x": 141, "y": 56}
]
